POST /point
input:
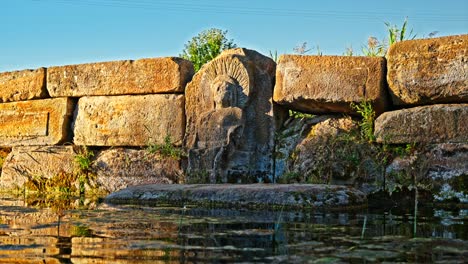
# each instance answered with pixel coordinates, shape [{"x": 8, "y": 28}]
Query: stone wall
[
  {"x": 229, "y": 118},
  {"x": 52, "y": 118}
]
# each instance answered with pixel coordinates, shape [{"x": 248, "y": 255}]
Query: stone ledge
[{"x": 242, "y": 195}]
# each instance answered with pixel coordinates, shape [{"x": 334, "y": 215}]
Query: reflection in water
[{"x": 128, "y": 234}]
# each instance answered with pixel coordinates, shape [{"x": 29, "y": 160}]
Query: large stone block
[
  {"x": 26, "y": 163},
  {"x": 38, "y": 122},
  {"x": 23, "y": 85},
  {"x": 127, "y": 120},
  {"x": 119, "y": 168},
  {"x": 323, "y": 84},
  {"x": 230, "y": 121},
  {"x": 428, "y": 71},
  {"x": 425, "y": 124},
  {"x": 144, "y": 76}
]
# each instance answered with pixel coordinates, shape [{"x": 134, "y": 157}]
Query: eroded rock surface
[
  {"x": 230, "y": 121},
  {"x": 443, "y": 123},
  {"x": 36, "y": 122},
  {"x": 119, "y": 168},
  {"x": 324, "y": 84},
  {"x": 329, "y": 150},
  {"x": 441, "y": 169},
  {"x": 23, "y": 85},
  {"x": 144, "y": 76},
  {"x": 126, "y": 120},
  {"x": 429, "y": 71},
  {"x": 27, "y": 163}
]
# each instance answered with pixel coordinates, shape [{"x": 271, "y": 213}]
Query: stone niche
[{"x": 230, "y": 121}]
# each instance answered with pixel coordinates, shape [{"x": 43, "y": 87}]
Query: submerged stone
[{"x": 243, "y": 195}]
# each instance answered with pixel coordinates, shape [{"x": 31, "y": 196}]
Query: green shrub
[{"x": 206, "y": 46}]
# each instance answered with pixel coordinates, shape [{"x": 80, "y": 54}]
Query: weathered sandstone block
[
  {"x": 37, "y": 122},
  {"x": 428, "y": 71},
  {"x": 427, "y": 124},
  {"x": 23, "y": 85},
  {"x": 144, "y": 76},
  {"x": 230, "y": 121},
  {"x": 25, "y": 163},
  {"x": 119, "y": 168},
  {"x": 322, "y": 84},
  {"x": 129, "y": 120}
]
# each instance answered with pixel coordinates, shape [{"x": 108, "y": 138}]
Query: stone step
[
  {"x": 242, "y": 195},
  {"x": 324, "y": 84},
  {"x": 144, "y": 76},
  {"x": 429, "y": 71}
]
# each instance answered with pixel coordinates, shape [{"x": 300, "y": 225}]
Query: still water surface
[{"x": 99, "y": 233}]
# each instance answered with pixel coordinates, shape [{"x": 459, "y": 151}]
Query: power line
[{"x": 165, "y": 6}]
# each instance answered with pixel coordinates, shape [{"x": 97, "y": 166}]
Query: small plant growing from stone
[
  {"x": 374, "y": 47},
  {"x": 274, "y": 56},
  {"x": 166, "y": 149},
  {"x": 349, "y": 51},
  {"x": 83, "y": 160},
  {"x": 396, "y": 34},
  {"x": 297, "y": 114},
  {"x": 206, "y": 46},
  {"x": 365, "y": 109}
]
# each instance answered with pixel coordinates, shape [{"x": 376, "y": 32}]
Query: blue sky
[{"x": 41, "y": 33}]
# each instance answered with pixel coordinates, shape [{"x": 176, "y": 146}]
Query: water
[{"x": 128, "y": 234}]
